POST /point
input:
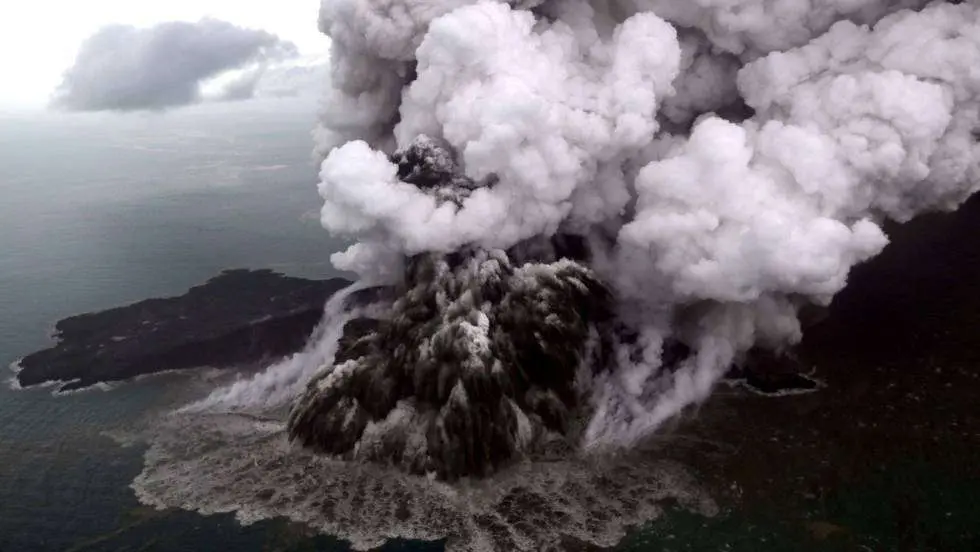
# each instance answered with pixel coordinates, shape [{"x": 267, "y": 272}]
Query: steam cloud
[
  {"x": 126, "y": 68},
  {"x": 723, "y": 164}
]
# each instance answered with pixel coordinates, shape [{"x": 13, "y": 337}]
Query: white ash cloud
[
  {"x": 576, "y": 111},
  {"x": 595, "y": 118},
  {"x": 125, "y": 68}
]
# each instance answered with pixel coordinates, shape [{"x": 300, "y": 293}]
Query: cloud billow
[{"x": 124, "y": 68}]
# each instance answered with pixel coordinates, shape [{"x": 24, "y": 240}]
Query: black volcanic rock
[
  {"x": 429, "y": 165},
  {"x": 474, "y": 364},
  {"x": 237, "y": 317}
]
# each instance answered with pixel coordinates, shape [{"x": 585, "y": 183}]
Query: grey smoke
[{"x": 124, "y": 68}]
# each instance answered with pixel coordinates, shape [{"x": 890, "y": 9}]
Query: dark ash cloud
[{"x": 125, "y": 68}]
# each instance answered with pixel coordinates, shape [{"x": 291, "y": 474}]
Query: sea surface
[{"x": 98, "y": 211}]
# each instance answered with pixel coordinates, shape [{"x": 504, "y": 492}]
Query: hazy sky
[{"x": 39, "y": 38}]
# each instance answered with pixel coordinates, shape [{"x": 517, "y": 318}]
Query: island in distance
[{"x": 237, "y": 317}]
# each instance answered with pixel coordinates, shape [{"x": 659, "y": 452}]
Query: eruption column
[{"x": 718, "y": 165}]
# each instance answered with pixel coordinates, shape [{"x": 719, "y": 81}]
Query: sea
[{"x": 101, "y": 210}]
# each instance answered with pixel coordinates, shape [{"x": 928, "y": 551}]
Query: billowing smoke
[{"x": 718, "y": 165}]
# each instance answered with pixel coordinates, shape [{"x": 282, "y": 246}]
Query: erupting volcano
[
  {"x": 578, "y": 215},
  {"x": 480, "y": 356},
  {"x": 716, "y": 169}
]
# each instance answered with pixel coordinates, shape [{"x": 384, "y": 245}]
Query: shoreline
[{"x": 237, "y": 317}]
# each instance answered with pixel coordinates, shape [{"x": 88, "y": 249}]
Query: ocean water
[{"x": 98, "y": 211}]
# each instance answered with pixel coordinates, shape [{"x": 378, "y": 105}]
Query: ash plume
[{"x": 720, "y": 165}]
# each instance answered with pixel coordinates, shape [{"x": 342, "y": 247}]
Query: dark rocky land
[{"x": 237, "y": 317}]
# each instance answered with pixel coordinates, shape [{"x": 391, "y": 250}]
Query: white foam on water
[
  {"x": 744, "y": 384},
  {"x": 97, "y": 386},
  {"x": 221, "y": 463},
  {"x": 16, "y": 368},
  {"x": 282, "y": 381}
]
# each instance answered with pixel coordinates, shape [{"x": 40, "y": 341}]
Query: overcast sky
[{"x": 39, "y": 39}]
